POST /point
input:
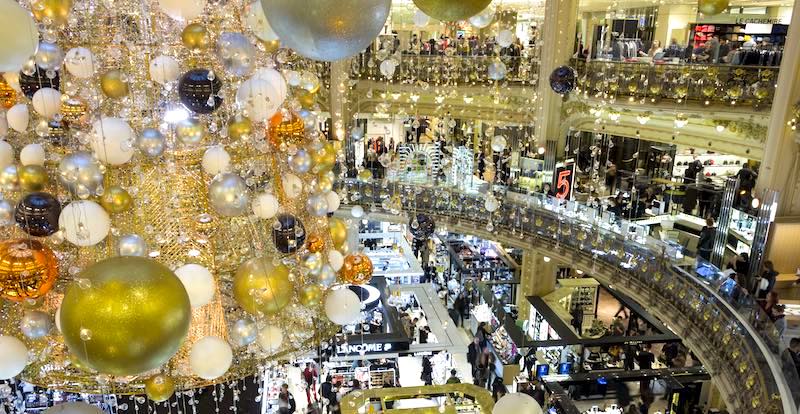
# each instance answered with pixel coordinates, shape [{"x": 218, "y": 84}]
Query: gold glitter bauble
[
  {"x": 32, "y": 177},
  {"x": 315, "y": 243},
  {"x": 113, "y": 84},
  {"x": 239, "y": 126},
  {"x": 271, "y": 46},
  {"x": 8, "y": 96},
  {"x": 195, "y": 36},
  {"x": 712, "y": 7},
  {"x": 159, "y": 387},
  {"x": 310, "y": 295},
  {"x": 357, "y": 269},
  {"x": 190, "y": 131},
  {"x": 116, "y": 199},
  {"x": 306, "y": 99},
  {"x": 338, "y": 231},
  {"x": 73, "y": 111},
  {"x": 56, "y": 11},
  {"x": 451, "y": 10},
  {"x": 324, "y": 157},
  {"x": 286, "y": 130},
  {"x": 262, "y": 287},
  {"x": 140, "y": 315},
  {"x": 28, "y": 269}
]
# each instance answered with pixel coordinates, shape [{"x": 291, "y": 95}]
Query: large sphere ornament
[
  {"x": 265, "y": 206},
  {"x": 18, "y": 117},
  {"x": 20, "y": 36},
  {"x": 35, "y": 324},
  {"x": 499, "y": 143},
  {"x": 216, "y": 160},
  {"x": 37, "y": 80},
  {"x": 311, "y": 295},
  {"x": 497, "y": 70},
  {"x": 300, "y": 162},
  {"x": 74, "y": 407},
  {"x": 288, "y": 233},
  {"x": 357, "y": 269},
  {"x": 338, "y": 232},
  {"x": 421, "y": 19},
  {"x": 84, "y": 223},
  {"x": 239, "y": 127},
  {"x": 80, "y": 62},
  {"x": 9, "y": 179},
  {"x": 13, "y": 357},
  {"x": 131, "y": 245},
  {"x": 515, "y": 403},
  {"x": 270, "y": 338},
  {"x": 342, "y": 306},
  {"x": 244, "y": 331},
  {"x": 116, "y": 199},
  {"x": 54, "y": 12},
  {"x": 210, "y": 357},
  {"x": 712, "y": 7},
  {"x": 31, "y": 154},
  {"x": 113, "y": 84},
  {"x": 182, "y": 10},
  {"x": 140, "y": 315},
  {"x": 81, "y": 173},
  {"x": 47, "y": 102},
  {"x": 236, "y": 53},
  {"x": 38, "y": 214},
  {"x": 563, "y": 80},
  {"x": 199, "y": 90},
  {"x": 190, "y": 132},
  {"x": 112, "y": 140},
  {"x": 151, "y": 142},
  {"x": 227, "y": 194},
  {"x": 483, "y": 19},
  {"x": 195, "y": 36},
  {"x": 159, "y": 387},
  {"x": 257, "y": 22},
  {"x": 164, "y": 69},
  {"x": 32, "y": 177},
  {"x": 285, "y": 130},
  {"x": 262, "y": 287},
  {"x": 451, "y": 10},
  {"x": 347, "y": 27},
  {"x": 259, "y": 98},
  {"x": 334, "y": 201},
  {"x": 199, "y": 284},
  {"x": 275, "y": 79},
  {"x": 49, "y": 56}
]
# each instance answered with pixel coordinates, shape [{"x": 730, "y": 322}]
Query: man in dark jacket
[{"x": 706, "y": 243}]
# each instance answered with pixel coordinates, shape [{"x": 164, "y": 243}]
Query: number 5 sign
[{"x": 565, "y": 178}]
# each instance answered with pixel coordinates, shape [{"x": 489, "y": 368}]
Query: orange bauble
[
  {"x": 28, "y": 269},
  {"x": 357, "y": 269},
  {"x": 285, "y": 130},
  {"x": 8, "y": 96},
  {"x": 315, "y": 243}
]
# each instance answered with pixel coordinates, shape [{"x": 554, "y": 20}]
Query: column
[
  {"x": 779, "y": 168},
  {"x": 558, "y": 42},
  {"x": 537, "y": 278}
]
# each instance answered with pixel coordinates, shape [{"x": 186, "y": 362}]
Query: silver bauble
[
  {"x": 151, "y": 142},
  {"x": 497, "y": 70},
  {"x": 326, "y": 276},
  {"x": 324, "y": 29},
  {"x": 35, "y": 324},
  {"x": 312, "y": 262},
  {"x": 228, "y": 195},
  {"x": 6, "y": 212},
  {"x": 9, "y": 180},
  {"x": 300, "y": 162},
  {"x": 244, "y": 332},
  {"x": 131, "y": 245},
  {"x": 317, "y": 205},
  {"x": 237, "y": 54},
  {"x": 80, "y": 172},
  {"x": 49, "y": 56}
]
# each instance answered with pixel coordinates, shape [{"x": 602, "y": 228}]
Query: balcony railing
[
  {"x": 731, "y": 334},
  {"x": 733, "y": 85}
]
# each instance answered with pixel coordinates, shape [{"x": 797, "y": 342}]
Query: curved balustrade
[
  {"x": 694, "y": 83},
  {"x": 735, "y": 339}
]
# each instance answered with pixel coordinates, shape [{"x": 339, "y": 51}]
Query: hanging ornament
[
  {"x": 199, "y": 90},
  {"x": 563, "y": 80}
]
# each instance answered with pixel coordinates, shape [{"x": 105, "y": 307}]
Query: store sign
[
  {"x": 565, "y": 180},
  {"x": 758, "y": 20},
  {"x": 370, "y": 348}
]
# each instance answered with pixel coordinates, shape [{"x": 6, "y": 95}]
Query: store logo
[
  {"x": 363, "y": 348},
  {"x": 757, "y": 20}
]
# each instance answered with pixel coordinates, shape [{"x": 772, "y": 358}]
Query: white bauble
[
  {"x": 257, "y": 22},
  {"x": 336, "y": 260},
  {"x": 210, "y": 358},
  {"x": 164, "y": 69},
  {"x": 80, "y": 62},
  {"x": 182, "y": 10},
  {"x": 6, "y": 154},
  {"x": 84, "y": 223},
  {"x": 292, "y": 185},
  {"x": 259, "y": 98},
  {"x": 13, "y": 357},
  {"x": 32, "y": 154},
  {"x": 47, "y": 102},
  {"x": 265, "y": 206},
  {"x": 387, "y": 68},
  {"x": 517, "y": 403},
  {"x": 270, "y": 338},
  {"x": 20, "y": 36},
  {"x": 491, "y": 204},
  {"x": 334, "y": 201},
  {"x": 342, "y": 306},
  {"x": 499, "y": 143},
  {"x": 18, "y": 117},
  {"x": 199, "y": 284},
  {"x": 275, "y": 79},
  {"x": 216, "y": 160},
  {"x": 505, "y": 38},
  {"x": 112, "y": 141},
  {"x": 357, "y": 211}
]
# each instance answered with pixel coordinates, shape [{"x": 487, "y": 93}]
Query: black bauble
[
  {"x": 31, "y": 84},
  {"x": 38, "y": 213},
  {"x": 425, "y": 227},
  {"x": 195, "y": 89},
  {"x": 288, "y": 233},
  {"x": 563, "y": 80}
]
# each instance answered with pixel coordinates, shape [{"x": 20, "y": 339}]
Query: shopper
[
  {"x": 473, "y": 352},
  {"x": 611, "y": 177},
  {"x": 498, "y": 389},
  {"x": 577, "y": 320},
  {"x": 538, "y": 392},
  {"x": 768, "y": 276},
  {"x": 453, "y": 377},
  {"x": 310, "y": 377},
  {"x": 286, "y": 403},
  {"x": 706, "y": 243},
  {"x": 794, "y": 352},
  {"x": 769, "y": 304},
  {"x": 779, "y": 317},
  {"x": 424, "y": 332},
  {"x": 427, "y": 371},
  {"x": 646, "y": 358},
  {"x": 328, "y": 394}
]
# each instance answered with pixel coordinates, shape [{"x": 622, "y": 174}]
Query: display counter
[{"x": 392, "y": 257}]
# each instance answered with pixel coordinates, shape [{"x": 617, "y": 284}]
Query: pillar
[
  {"x": 537, "y": 278},
  {"x": 779, "y": 168},
  {"x": 558, "y": 42}
]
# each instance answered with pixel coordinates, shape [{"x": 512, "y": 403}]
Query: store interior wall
[{"x": 784, "y": 243}]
